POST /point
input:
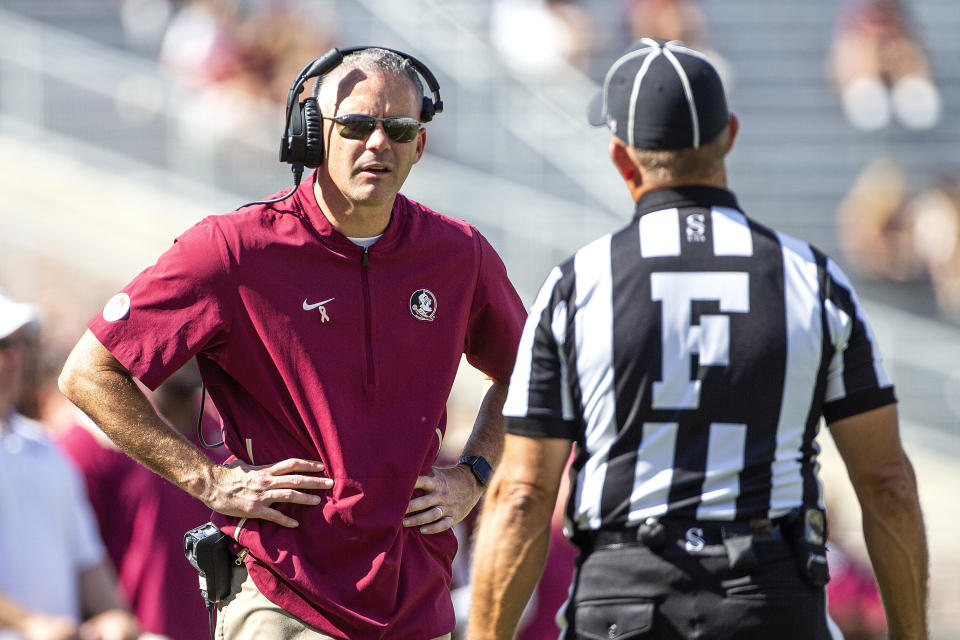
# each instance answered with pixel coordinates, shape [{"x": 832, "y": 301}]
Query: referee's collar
[{"x": 692, "y": 196}]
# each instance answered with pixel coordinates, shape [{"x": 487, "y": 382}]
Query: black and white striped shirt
[{"x": 686, "y": 355}]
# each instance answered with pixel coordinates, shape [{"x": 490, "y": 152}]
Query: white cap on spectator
[{"x": 15, "y": 315}]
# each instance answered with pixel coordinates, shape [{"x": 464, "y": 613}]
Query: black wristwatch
[{"x": 480, "y": 467}]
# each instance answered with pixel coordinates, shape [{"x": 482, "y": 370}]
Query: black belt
[{"x": 656, "y": 532}]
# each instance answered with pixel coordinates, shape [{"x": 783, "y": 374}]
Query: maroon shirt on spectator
[{"x": 142, "y": 519}]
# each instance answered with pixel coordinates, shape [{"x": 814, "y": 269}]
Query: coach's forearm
[
  {"x": 486, "y": 439},
  {"x": 100, "y": 385},
  {"x": 894, "y": 533},
  {"x": 103, "y": 389}
]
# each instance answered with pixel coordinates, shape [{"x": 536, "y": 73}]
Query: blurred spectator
[
  {"x": 668, "y": 19},
  {"x": 873, "y": 235},
  {"x": 200, "y": 48},
  {"x": 212, "y": 45},
  {"x": 234, "y": 63},
  {"x": 880, "y": 68},
  {"x": 934, "y": 214},
  {"x": 143, "y": 517},
  {"x": 888, "y": 233},
  {"x": 297, "y": 34},
  {"x": 56, "y": 580},
  {"x": 537, "y": 37},
  {"x": 853, "y": 599},
  {"x": 144, "y": 22},
  {"x": 676, "y": 20}
]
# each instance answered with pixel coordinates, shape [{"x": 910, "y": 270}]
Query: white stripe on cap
[
  {"x": 687, "y": 91},
  {"x": 635, "y": 93},
  {"x": 651, "y": 46},
  {"x": 678, "y": 47}
]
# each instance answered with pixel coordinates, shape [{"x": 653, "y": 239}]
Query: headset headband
[{"x": 331, "y": 59}]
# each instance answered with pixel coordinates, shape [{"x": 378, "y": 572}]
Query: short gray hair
[
  {"x": 375, "y": 59},
  {"x": 667, "y": 165}
]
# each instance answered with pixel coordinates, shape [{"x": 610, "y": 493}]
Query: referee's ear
[
  {"x": 624, "y": 163},
  {"x": 734, "y": 123}
]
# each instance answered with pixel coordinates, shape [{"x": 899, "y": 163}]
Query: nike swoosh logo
[{"x": 311, "y": 307}]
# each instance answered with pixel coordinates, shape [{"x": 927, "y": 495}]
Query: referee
[{"x": 690, "y": 357}]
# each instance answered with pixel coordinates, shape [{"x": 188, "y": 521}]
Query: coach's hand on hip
[
  {"x": 449, "y": 495},
  {"x": 249, "y": 491}
]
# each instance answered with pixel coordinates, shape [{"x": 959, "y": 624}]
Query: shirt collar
[{"x": 689, "y": 196}]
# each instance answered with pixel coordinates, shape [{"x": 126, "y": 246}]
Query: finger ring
[{"x": 440, "y": 510}]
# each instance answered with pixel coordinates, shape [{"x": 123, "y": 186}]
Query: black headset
[{"x": 302, "y": 141}]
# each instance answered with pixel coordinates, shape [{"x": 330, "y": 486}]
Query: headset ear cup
[
  {"x": 313, "y": 133},
  {"x": 426, "y": 110}
]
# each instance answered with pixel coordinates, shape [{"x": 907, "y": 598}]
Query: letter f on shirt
[{"x": 680, "y": 339}]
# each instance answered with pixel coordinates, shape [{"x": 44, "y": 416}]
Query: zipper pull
[{"x": 365, "y": 257}]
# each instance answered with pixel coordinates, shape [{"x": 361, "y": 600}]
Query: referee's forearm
[
  {"x": 894, "y": 533},
  {"x": 509, "y": 557}
]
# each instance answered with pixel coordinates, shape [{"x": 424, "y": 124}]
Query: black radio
[
  {"x": 808, "y": 533},
  {"x": 207, "y": 549}
]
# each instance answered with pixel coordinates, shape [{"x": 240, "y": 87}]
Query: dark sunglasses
[{"x": 359, "y": 126}]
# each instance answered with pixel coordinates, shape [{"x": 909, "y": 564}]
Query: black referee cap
[{"x": 661, "y": 95}]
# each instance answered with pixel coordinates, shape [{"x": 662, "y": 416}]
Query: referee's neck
[{"x": 642, "y": 186}]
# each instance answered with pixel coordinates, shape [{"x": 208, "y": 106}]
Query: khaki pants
[{"x": 247, "y": 614}]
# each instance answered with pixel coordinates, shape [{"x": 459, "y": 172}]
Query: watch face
[{"x": 480, "y": 467}]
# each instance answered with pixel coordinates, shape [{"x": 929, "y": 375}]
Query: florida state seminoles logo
[{"x": 423, "y": 305}]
